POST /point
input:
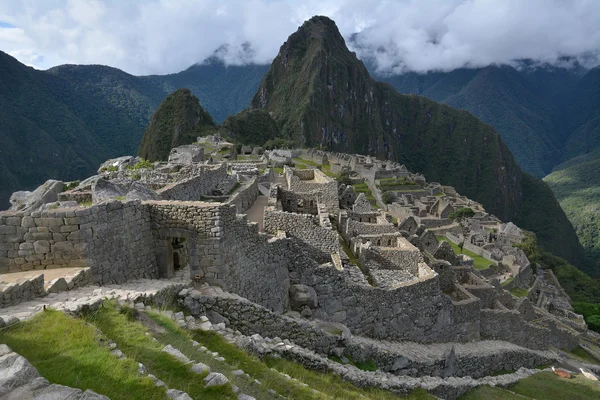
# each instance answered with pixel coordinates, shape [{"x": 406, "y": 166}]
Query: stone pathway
[
  {"x": 92, "y": 296},
  {"x": 256, "y": 212}
]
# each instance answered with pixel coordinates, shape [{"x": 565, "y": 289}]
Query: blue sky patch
[{"x": 6, "y": 25}]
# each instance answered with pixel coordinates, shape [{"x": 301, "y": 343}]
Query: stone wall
[
  {"x": 245, "y": 197},
  {"x": 418, "y": 312},
  {"x": 509, "y": 325},
  {"x": 475, "y": 249},
  {"x": 113, "y": 239},
  {"x": 21, "y": 290},
  {"x": 355, "y": 228},
  {"x": 192, "y": 189},
  {"x": 321, "y": 242}
]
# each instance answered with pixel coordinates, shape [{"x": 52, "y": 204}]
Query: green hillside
[
  {"x": 64, "y": 122},
  {"x": 178, "y": 120},
  {"x": 577, "y": 188}
]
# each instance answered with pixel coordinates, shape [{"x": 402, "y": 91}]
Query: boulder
[
  {"x": 137, "y": 191},
  {"x": 104, "y": 190},
  {"x": 301, "y": 296},
  {"x": 176, "y": 353},
  {"x": 178, "y": 395},
  {"x": 31, "y": 201},
  {"x": 215, "y": 379},
  {"x": 200, "y": 368},
  {"x": 187, "y": 154},
  {"x": 119, "y": 163}
]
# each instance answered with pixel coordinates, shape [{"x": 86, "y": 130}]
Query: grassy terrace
[
  {"x": 544, "y": 385},
  {"x": 303, "y": 163},
  {"x": 480, "y": 263},
  {"x": 75, "y": 352},
  {"x": 364, "y": 188},
  {"x": 67, "y": 351}
]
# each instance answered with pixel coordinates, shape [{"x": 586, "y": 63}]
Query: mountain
[
  {"x": 577, "y": 188},
  {"x": 178, "y": 120},
  {"x": 526, "y": 105},
  {"x": 320, "y": 94},
  {"x": 63, "y": 122}
]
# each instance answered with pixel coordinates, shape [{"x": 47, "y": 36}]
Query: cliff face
[
  {"x": 320, "y": 94},
  {"x": 178, "y": 120}
]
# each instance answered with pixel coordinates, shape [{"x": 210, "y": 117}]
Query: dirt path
[{"x": 256, "y": 212}]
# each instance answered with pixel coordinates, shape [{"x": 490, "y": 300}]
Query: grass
[
  {"x": 544, "y": 385},
  {"x": 548, "y": 386},
  {"x": 67, "y": 351},
  {"x": 364, "y": 188},
  {"x": 278, "y": 170},
  {"x": 509, "y": 280},
  {"x": 583, "y": 355},
  {"x": 306, "y": 162},
  {"x": 334, "y": 386},
  {"x": 132, "y": 340},
  {"x": 519, "y": 292},
  {"x": 479, "y": 263}
]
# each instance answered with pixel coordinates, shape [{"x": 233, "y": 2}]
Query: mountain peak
[{"x": 178, "y": 120}]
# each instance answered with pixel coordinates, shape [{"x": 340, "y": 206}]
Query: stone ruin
[{"x": 324, "y": 255}]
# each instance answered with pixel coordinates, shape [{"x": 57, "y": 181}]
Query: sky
[{"x": 166, "y": 36}]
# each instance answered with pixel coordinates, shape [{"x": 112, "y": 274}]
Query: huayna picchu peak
[{"x": 321, "y": 94}]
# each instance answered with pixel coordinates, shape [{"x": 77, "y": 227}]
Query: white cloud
[{"x": 164, "y": 36}]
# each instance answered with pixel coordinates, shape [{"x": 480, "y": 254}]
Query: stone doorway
[{"x": 177, "y": 249}]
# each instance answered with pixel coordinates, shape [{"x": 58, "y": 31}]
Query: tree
[
  {"x": 344, "y": 177},
  {"x": 461, "y": 215},
  {"x": 387, "y": 197}
]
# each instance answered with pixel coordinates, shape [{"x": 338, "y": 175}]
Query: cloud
[{"x": 165, "y": 36}]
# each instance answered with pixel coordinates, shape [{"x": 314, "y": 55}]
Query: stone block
[
  {"x": 57, "y": 285},
  {"x": 65, "y": 247},
  {"x": 14, "y": 221},
  {"x": 28, "y": 222},
  {"x": 41, "y": 246},
  {"x": 8, "y": 230},
  {"x": 49, "y": 221}
]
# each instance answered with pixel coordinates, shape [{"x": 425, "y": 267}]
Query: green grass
[
  {"x": 583, "y": 355},
  {"x": 548, "y": 386},
  {"x": 489, "y": 393},
  {"x": 509, "y": 280},
  {"x": 67, "y": 351},
  {"x": 544, "y": 385},
  {"x": 306, "y": 162},
  {"x": 479, "y": 263},
  {"x": 334, "y": 386},
  {"x": 131, "y": 338},
  {"x": 519, "y": 292},
  {"x": 278, "y": 170},
  {"x": 364, "y": 188}
]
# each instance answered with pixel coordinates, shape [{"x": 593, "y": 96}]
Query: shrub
[{"x": 387, "y": 197}]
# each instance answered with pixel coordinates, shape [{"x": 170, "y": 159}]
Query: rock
[
  {"x": 117, "y": 353},
  {"x": 10, "y": 320},
  {"x": 187, "y": 154},
  {"x": 215, "y": 379},
  {"x": 306, "y": 312},
  {"x": 104, "y": 190},
  {"x": 205, "y": 326},
  {"x": 15, "y": 371},
  {"x": 200, "y": 368},
  {"x": 178, "y": 395},
  {"x": 91, "y": 395},
  {"x": 237, "y": 372},
  {"x": 119, "y": 163},
  {"x": 176, "y": 353},
  {"x": 31, "y": 201},
  {"x": 142, "y": 369},
  {"x": 243, "y": 396},
  {"x": 137, "y": 191},
  {"x": 57, "y": 285},
  {"x": 302, "y": 295},
  {"x": 445, "y": 252}
]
